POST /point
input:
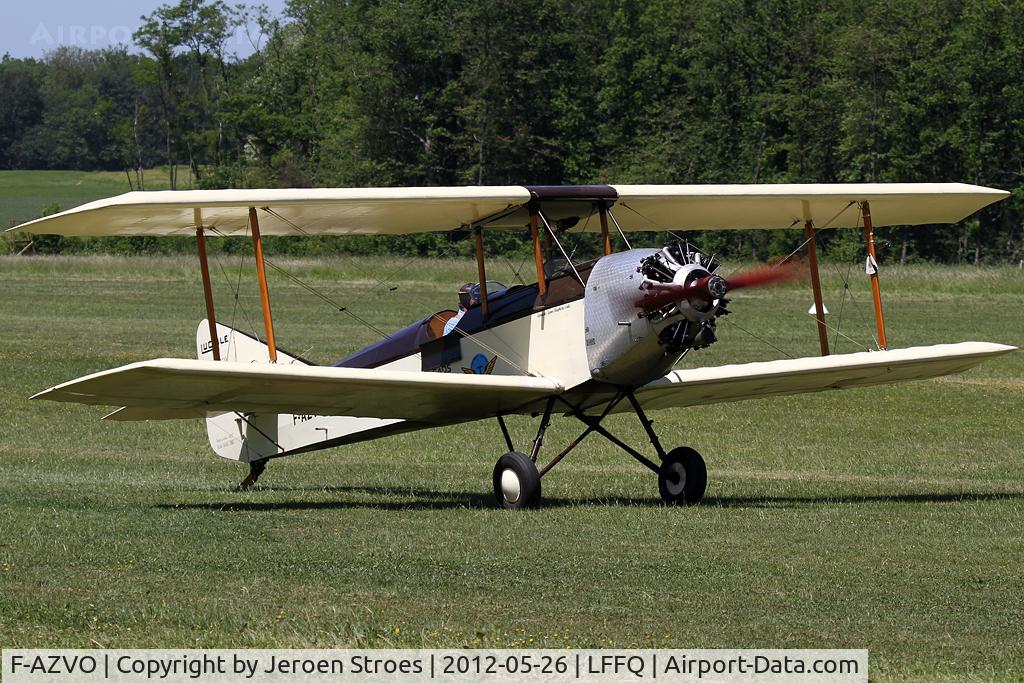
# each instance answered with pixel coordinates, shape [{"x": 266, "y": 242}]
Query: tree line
[{"x": 450, "y": 92}]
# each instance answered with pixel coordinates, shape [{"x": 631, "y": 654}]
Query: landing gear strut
[{"x": 682, "y": 475}]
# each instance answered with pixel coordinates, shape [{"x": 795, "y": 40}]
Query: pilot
[{"x": 466, "y": 300}]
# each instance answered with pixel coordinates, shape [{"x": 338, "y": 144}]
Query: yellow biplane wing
[
  {"x": 390, "y": 211},
  {"x": 727, "y": 383},
  {"x": 180, "y": 388}
]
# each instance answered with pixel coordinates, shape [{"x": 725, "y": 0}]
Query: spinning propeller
[{"x": 711, "y": 287}]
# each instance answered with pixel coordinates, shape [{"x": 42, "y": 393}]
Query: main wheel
[
  {"x": 516, "y": 481},
  {"x": 683, "y": 477}
]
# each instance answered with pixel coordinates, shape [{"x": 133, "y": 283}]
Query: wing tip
[{"x": 992, "y": 348}]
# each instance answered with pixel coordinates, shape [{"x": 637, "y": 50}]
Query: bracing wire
[
  {"x": 302, "y": 231},
  {"x": 235, "y": 290},
  {"x": 826, "y": 226},
  {"x": 379, "y": 280},
  {"x": 839, "y": 315},
  {"x": 760, "y": 339},
  {"x": 343, "y": 309},
  {"x": 560, "y": 248},
  {"x": 619, "y": 228},
  {"x": 847, "y": 290},
  {"x": 516, "y": 271},
  {"x": 323, "y": 297}
]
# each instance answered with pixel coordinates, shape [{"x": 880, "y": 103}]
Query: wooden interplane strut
[
  {"x": 261, "y": 274},
  {"x": 876, "y": 293},
  {"x": 542, "y": 284},
  {"x": 204, "y": 268},
  {"x": 481, "y": 272},
  {"x": 606, "y": 239},
  {"x": 819, "y": 306}
]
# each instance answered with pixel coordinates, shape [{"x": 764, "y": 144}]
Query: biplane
[{"x": 584, "y": 341}]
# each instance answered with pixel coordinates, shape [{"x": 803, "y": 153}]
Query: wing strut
[
  {"x": 261, "y": 273},
  {"x": 606, "y": 239},
  {"x": 481, "y": 271},
  {"x": 819, "y": 306},
  {"x": 204, "y": 268},
  {"x": 542, "y": 284},
  {"x": 869, "y": 232}
]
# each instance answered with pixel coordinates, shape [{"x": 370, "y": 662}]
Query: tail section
[
  {"x": 250, "y": 437},
  {"x": 238, "y": 347}
]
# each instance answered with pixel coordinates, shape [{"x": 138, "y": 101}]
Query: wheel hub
[
  {"x": 675, "y": 482},
  {"x": 510, "y": 486}
]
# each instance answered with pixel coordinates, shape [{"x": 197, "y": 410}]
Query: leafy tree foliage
[{"x": 435, "y": 92}]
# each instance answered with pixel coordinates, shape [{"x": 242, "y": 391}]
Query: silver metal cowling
[{"x": 622, "y": 347}]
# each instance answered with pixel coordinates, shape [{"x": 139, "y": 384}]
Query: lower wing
[
  {"x": 700, "y": 386},
  {"x": 178, "y": 388},
  {"x": 171, "y": 388}
]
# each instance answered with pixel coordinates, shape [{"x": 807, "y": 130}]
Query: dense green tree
[
  {"x": 84, "y": 95},
  {"x": 401, "y": 92},
  {"x": 21, "y": 107},
  {"x": 187, "y": 43}
]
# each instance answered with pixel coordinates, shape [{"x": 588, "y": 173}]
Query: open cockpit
[{"x": 504, "y": 304}]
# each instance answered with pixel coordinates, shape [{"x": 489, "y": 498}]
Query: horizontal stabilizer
[
  {"x": 700, "y": 386},
  {"x": 193, "y": 388}
]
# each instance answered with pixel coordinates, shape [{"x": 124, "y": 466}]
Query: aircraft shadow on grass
[{"x": 427, "y": 499}]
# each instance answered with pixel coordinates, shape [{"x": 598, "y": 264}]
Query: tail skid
[{"x": 251, "y": 437}]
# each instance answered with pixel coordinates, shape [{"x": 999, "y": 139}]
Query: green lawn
[
  {"x": 888, "y": 518},
  {"x": 24, "y": 194}
]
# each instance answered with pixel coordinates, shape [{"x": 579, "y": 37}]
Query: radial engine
[{"x": 645, "y": 308}]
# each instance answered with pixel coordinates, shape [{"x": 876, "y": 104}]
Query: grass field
[
  {"x": 24, "y": 194},
  {"x": 890, "y": 518}
]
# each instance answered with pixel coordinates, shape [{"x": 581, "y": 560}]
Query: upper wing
[
  {"x": 192, "y": 388},
  {"x": 717, "y": 207},
  {"x": 376, "y": 211},
  {"x": 700, "y": 386},
  {"x": 326, "y": 211}
]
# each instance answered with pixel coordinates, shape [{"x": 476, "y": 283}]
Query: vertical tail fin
[
  {"x": 234, "y": 436},
  {"x": 238, "y": 347}
]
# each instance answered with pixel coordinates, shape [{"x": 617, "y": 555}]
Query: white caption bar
[{"x": 412, "y": 666}]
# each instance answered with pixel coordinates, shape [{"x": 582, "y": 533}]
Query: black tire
[
  {"x": 683, "y": 477},
  {"x": 516, "y": 482}
]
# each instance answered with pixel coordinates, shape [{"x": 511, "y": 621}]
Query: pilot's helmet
[{"x": 468, "y": 294}]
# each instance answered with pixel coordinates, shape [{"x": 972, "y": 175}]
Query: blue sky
[{"x": 30, "y": 28}]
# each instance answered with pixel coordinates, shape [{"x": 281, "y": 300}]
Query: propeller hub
[{"x": 716, "y": 286}]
